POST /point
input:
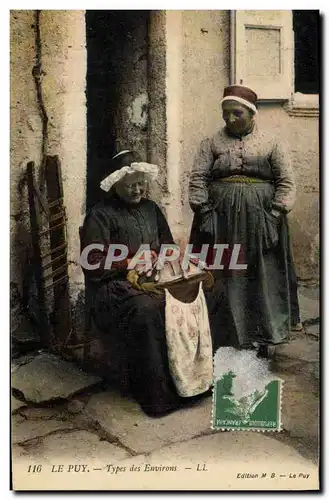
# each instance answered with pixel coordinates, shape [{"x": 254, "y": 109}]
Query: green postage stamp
[{"x": 246, "y": 395}]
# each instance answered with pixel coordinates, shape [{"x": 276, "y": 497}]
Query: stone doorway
[{"x": 116, "y": 89}]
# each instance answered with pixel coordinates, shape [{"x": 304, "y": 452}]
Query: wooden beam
[
  {"x": 57, "y": 232},
  {"x": 35, "y": 221}
]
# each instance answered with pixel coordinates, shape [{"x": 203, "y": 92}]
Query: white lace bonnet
[{"x": 150, "y": 171}]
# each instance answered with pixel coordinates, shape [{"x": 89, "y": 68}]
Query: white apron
[{"x": 189, "y": 344}]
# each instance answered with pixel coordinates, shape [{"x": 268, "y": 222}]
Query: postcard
[{"x": 165, "y": 284}]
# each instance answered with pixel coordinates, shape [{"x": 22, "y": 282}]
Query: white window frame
[{"x": 303, "y": 105}]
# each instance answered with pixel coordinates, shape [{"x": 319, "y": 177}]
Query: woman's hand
[
  {"x": 275, "y": 213},
  {"x": 147, "y": 269},
  {"x": 205, "y": 209}
]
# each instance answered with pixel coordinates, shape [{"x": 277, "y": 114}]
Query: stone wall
[
  {"x": 206, "y": 49},
  {"x": 64, "y": 64},
  {"x": 194, "y": 50},
  {"x": 302, "y": 135},
  {"x": 25, "y": 136},
  {"x": 51, "y": 123},
  {"x": 157, "y": 108}
]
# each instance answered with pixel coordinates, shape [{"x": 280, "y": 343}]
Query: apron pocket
[
  {"x": 270, "y": 230},
  {"x": 204, "y": 229}
]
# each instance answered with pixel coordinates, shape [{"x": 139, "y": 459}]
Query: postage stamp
[{"x": 246, "y": 396}]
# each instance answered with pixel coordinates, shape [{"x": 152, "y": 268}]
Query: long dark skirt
[
  {"x": 134, "y": 324},
  {"x": 253, "y": 306}
]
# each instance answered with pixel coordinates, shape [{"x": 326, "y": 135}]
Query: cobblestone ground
[{"x": 77, "y": 420}]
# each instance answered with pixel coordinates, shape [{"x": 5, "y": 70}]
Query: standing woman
[{"x": 241, "y": 188}]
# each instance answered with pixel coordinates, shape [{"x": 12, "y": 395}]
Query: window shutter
[{"x": 263, "y": 53}]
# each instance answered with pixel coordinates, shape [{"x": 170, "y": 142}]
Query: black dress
[{"x": 134, "y": 320}]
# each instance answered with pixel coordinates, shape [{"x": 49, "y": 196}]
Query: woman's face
[
  {"x": 131, "y": 188},
  {"x": 238, "y": 118}
]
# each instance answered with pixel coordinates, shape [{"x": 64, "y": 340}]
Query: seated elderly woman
[{"x": 134, "y": 319}]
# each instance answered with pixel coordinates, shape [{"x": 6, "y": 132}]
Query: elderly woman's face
[
  {"x": 238, "y": 118},
  {"x": 131, "y": 188}
]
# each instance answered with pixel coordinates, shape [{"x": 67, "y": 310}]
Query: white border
[{"x": 4, "y": 195}]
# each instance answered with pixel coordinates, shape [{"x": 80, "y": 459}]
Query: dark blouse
[
  {"x": 113, "y": 221},
  {"x": 257, "y": 154}
]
